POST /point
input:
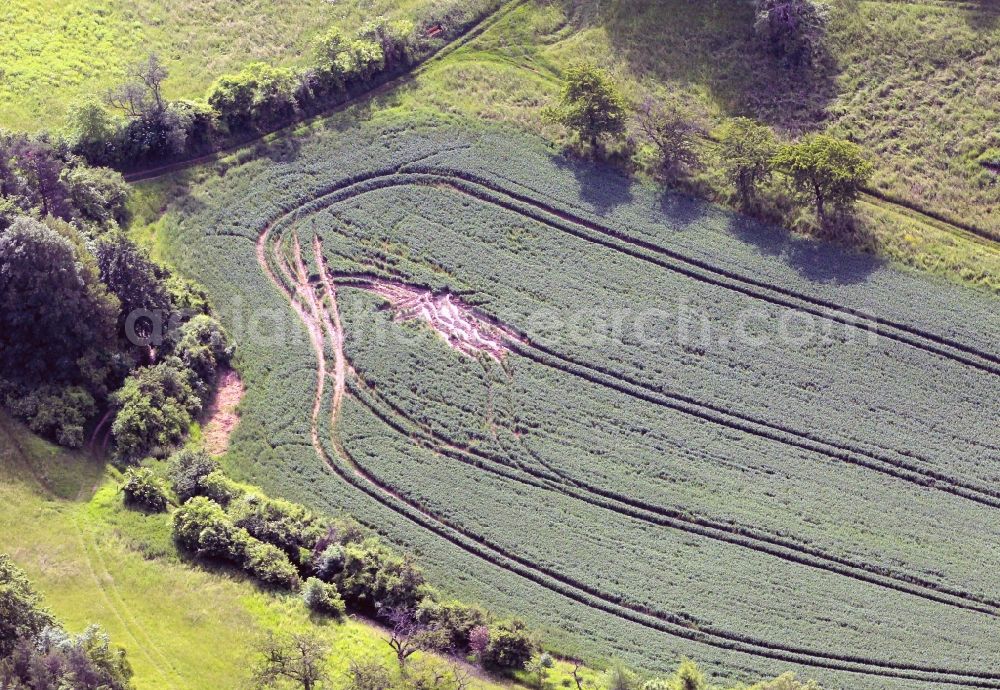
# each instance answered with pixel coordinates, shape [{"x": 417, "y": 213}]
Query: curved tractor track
[
  {"x": 318, "y": 313},
  {"x": 891, "y": 463}
]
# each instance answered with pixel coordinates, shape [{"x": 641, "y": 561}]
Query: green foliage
[
  {"x": 138, "y": 283},
  {"x": 322, "y": 597},
  {"x": 220, "y": 488},
  {"x": 21, "y": 612},
  {"x": 203, "y": 346},
  {"x": 144, "y": 491},
  {"x": 187, "y": 470},
  {"x": 510, "y": 647},
  {"x": 672, "y": 135},
  {"x": 590, "y": 104},
  {"x": 156, "y": 405},
  {"x": 329, "y": 562},
  {"x": 457, "y": 619},
  {"x": 286, "y": 525},
  {"x": 56, "y": 318},
  {"x": 374, "y": 577},
  {"x": 830, "y": 170},
  {"x": 748, "y": 150},
  {"x": 59, "y": 413},
  {"x": 270, "y": 565},
  {"x": 257, "y": 96},
  {"x": 100, "y": 194},
  {"x": 786, "y": 681},
  {"x": 57, "y": 660},
  {"x": 201, "y": 527}
]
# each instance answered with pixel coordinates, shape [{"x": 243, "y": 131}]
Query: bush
[
  {"x": 258, "y": 97},
  {"x": 792, "y": 30},
  {"x": 270, "y": 565},
  {"x": 374, "y": 577},
  {"x": 323, "y": 597},
  {"x": 56, "y": 659},
  {"x": 455, "y": 618},
  {"x": 21, "y": 613},
  {"x": 288, "y": 526},
  {"x": 510, "y": 647},
  {"x": 203, "y": 346},
  {"x": 201, "y": 527},
  {"x": 56, "y": 413},
  {"x": 220, "y": 488},
  {"x": 825, "y": 168},
  {"x": 329, "y": 562},
  {"x": 187, "y": 470},
  {"x": 100, "y": 195},
  {"x": 143, "y": 491},
  {"x": 156, "y": 406},
  {"x": 748, "y": 150},
  {"x": 590, "y": 104}
]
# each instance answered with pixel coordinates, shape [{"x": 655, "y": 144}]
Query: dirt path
[{"x": 221, "y": 417}]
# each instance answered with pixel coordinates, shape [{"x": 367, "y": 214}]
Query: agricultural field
[
  {"x": 915, "y": 82},
  {"x": 652, "y": 428},
  {"x": 53, "y": 54}
]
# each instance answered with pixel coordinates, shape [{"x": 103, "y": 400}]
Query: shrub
[
  {"x": 329, "y": 562},
  {"x": 259, "y": 96},
  {"x": 187, "y": 470},
  {"x": 396, "y": 39},
  {"x": 288, "y": 526},
  {"x": 201, "y": 527},
  {"x": 322, "y": 597},
  {"x": 456, "y": 619},
  {"x": 143, "y": 491},
  {"x": 99, "y": 194},
  {"x": 270, "y": 565},
  {"x": 57, "y": 660},
  {"x": 56, "y": 413},
  {"x": 374, "y": 577},
  {"x": 368, "y": 675},
  {"x": 155, "y": 408},
  {"x": 203, "y": 345},
  {"x": 510, "y": 647},
  {"x": 220, "y": 488}
]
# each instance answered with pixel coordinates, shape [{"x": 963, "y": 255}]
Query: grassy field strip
[
  {"x": 741, "y": 535},
  {"x": 345, "y": 466}
]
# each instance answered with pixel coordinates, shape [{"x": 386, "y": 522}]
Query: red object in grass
[{"x": 434, "y": 30}]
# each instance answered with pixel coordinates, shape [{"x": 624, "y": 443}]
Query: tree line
[
  {"x": 827, "y": 171},
  {"x": 134, "y": 125}
]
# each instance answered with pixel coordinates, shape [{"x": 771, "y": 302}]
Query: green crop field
[
  {"x": 55, "y": 53},
  {"x": 684, "y": 433}
]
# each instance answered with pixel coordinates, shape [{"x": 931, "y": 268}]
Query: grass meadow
[
  {"x": 55, "y": 53},
  {"x": 184, "y": 627}
]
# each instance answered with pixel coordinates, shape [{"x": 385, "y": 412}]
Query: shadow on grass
[{"x": 710, "y": 45}]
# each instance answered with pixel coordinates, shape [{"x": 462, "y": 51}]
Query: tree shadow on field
[
  {"x": 818, "y": 261},
  {"x": 709, "y": 45},
  {"x": 601, "y": 186},
  {"x": 983, "y": 15},
  {"x": 681, "y": 211}
]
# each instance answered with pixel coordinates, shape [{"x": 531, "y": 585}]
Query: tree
[
  {"x": 155, "y": 408},
  {"x": 144, "y": 491},
  {"x": 748, "y": 150},
  {"x": 829, "y": 169},
  {"x": 98, "y": 194},
  {"x": 21, "y": 613},
  {"x": 203, "y": 346},
  {"x": 618, "y": 677},
  {"x": 323, "y": 598},
  {"x": 368, "y": 675},
  {"x": 792, "y": 30},
  {"x": 409, "y": 636},
  {"x": 510, "y": 646},
  {"x": 56, "y": 660},
  {"x": 672, "y": 135},
  {"x": 590, "y": 104},
  {"x": 187, "y": 470},
  {"x": 138, "y": 283},
  {"x": 142, "y": 94},
  {"x": 299, "y": 658},
  {"x": 40, "y": 164},
  {"x": 57, "y": 321}
]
